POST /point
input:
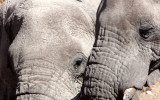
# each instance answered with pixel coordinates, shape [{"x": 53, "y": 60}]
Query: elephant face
[
  {"x": 126, "y": 52},
  {"x": 49, "y": 43}
]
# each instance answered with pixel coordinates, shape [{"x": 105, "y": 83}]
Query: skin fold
[
  {"x": 44, "y": 46},
  {"x": 126, "y": 51}
]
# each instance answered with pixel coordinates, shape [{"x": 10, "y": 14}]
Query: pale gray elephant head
[
  {"x": 126, "y": 52},
  {"x": 47, "y": 43}
]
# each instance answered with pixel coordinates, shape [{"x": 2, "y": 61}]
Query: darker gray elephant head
[
  {"x": 47, "y": 43},
  {"x": 126, "y": 52}
]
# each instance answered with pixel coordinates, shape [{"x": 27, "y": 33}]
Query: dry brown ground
[
  {"x": 1, "y": 1},
  {"x": 144, "y": 96},
  {"x": 155, "y": 90}
]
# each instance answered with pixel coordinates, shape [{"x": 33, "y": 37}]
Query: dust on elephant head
[
  {"x": 126, "y": 52},
  {"x": 44, "y": 46}
]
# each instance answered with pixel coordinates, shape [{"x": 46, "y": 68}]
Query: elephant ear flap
[
  {"x": 101, "y": 6},
  {"x": 153, "y": 77},
  {"x": 1, "y": 22},
  {"x": 12, "y": 26}
]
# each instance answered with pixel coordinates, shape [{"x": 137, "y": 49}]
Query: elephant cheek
[{"x": 135, "y": 74}]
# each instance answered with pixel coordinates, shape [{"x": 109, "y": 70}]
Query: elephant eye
[
  {"x": 146, "y": 33},
  {"x": 78, "y": 64}
]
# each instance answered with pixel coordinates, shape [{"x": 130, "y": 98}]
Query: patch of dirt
[
  {"x": 1, "y": 1},
  {"x": 152, "y": 93}
]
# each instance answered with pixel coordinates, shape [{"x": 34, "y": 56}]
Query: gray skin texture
[
  {"x": 44, "y": 46},
  {"x": 126, "y": 51}
]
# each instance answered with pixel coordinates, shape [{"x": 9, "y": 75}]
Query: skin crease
[
  {"x": 44, "y": 46},
  {"x": 126, "y": 49}
]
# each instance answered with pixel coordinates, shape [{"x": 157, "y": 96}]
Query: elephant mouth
[
  {"x": 26, "y": 93},
  {"x": 154, "y": 65},
  {"x": 77, "y": 97},
  {"x": 130, "y": 92},
  {"x": 30, "y": 94}
]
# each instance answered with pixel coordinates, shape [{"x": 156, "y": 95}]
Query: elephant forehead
[
  {"x": 145, "y": 10},
  {"x": 53, "y": 30},
  {"x": 123, "y": 14},
  {"x": 49, "y": 23}
]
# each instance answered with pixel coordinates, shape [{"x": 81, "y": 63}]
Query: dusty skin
[{"x": 144, "y": 96}]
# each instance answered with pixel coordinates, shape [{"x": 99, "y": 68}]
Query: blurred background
[{"x": 1, "y": 1}]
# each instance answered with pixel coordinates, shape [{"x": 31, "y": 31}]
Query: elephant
[
  {"x": 44, "y": 46},
  {"x": 126, "y": 54}
]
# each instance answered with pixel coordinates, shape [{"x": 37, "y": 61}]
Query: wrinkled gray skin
[
  {"x": 126, "y": 52},
  {"x": 44, "y": 45}
]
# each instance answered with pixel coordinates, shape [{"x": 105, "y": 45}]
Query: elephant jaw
[{"x": 129, "y": 93}]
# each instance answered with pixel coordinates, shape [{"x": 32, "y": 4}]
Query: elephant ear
[
  {"x": 9, "y": 26},
  {"x": 153, "y": 77},
  {"x": 1, "y": 21},
  {"x": 101, "y": 7},
  {"x": 13, "y": 23}
]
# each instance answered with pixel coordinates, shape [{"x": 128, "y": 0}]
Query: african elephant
[
  {"x": 126, "y": 52},
  {"x": 44, "y": 46}
]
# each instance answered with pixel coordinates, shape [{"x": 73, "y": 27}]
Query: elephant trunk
[
  {"x": 34, "y": 81},
  {"x": 103, "y": 75},
  {"x": 101, "y": 87},
  {"x": 100, "y": 82}
]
